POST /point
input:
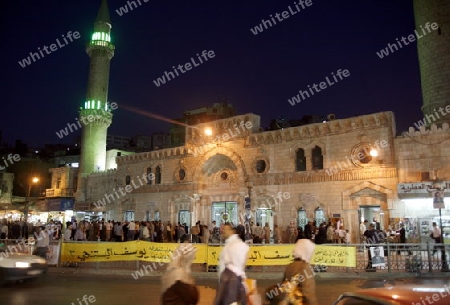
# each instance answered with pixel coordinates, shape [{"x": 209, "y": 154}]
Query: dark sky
[{"x": 256, "y": 73}]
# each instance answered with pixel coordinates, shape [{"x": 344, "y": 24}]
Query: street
[{"x": 57, "y": 289}]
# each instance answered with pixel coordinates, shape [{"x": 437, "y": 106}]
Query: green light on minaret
[
  {"x": 96, "y": 105},
  {"x": 101, "y": 36}
]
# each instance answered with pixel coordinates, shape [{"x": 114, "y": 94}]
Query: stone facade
[{"x": 194, "y": 177}]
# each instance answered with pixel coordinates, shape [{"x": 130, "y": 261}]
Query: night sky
[{"x": 255, "y": 73}]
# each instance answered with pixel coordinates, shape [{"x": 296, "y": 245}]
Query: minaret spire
[
  {"x": 103, "y": 13},
  {"x": 95, "y": 111}
]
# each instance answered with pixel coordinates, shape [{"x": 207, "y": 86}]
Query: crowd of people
[{"x": 19, "y": 229}]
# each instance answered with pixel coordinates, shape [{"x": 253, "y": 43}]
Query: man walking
[
  {"x": 436, "y": 235},
  {"x": 42, "y": 242},
  {"x": 232, "y": 269}
]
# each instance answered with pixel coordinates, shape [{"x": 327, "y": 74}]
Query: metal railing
[{"x": 411, "y": 258}]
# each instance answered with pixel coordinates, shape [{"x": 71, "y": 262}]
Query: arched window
[
  {"x": 158, "y": 175},
  {"x": 300, "y": 160},
  {"x": 149, "y": 175},
  {"x": 317, "y": 158},
  {"x": 127, "y": 180}
]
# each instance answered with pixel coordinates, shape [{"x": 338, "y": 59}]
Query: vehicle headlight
[{"x": 22, "y": 265}]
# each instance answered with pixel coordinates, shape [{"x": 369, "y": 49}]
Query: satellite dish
[
  {"x": 331, "y": 117},
  {"x": 282, "y": 123}
]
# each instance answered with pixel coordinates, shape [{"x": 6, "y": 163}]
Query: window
[
  {"x": 319, "y": 216},
  {"x": 364, "y": 155},
  {"x": 300, "y": 160},
  {"x": 182, "y": 174},
  {"x": 260, "y": 166},
  {"x": 425, "y": 176},
  {"x": 223, "y": 212},
  {"x": 302, "y": 219},
  {"x": 158, "y": 175},
  {"x": 184, "y": 217},
  {"x": 317, "y": 158},
  {"x": 149, "y": 175},
  {"x": 128, "y": 215},
  {"x": 127, "y": 180},
  {"x": 58, "y": 181}
]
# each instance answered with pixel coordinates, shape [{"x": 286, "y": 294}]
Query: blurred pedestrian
[
  {"x": 299, "y": 284},
  {"x": 232, "y": 269},
  {"x": 178, "y": 284}
]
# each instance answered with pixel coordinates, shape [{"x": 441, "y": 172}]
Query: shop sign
[{"x": 423, "y": 189}]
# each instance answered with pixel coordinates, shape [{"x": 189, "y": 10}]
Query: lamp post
[{"x": 34, "y": 180}]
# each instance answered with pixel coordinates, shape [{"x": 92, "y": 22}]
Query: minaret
[
  {"x": 95, "y": 113},
  {"x": 434, "y": 58}
]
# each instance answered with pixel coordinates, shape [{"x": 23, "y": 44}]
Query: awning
[{"x": 53, "y": 204}]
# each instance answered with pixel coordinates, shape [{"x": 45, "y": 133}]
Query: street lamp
[{"x": 34, "y": 180}]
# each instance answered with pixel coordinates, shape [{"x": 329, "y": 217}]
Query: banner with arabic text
[
  {"x": 124, "y": 251},
  {"x": 162, "y": 252}
]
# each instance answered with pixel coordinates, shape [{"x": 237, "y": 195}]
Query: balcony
[{"x": 59, "y": 192}]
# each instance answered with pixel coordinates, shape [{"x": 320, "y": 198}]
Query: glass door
[
  {"x": 184, "y": 217},
  {"x": 225, "y": 211}
]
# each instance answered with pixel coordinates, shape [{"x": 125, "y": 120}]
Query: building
[
  {"x": 338, "y": 170},
  {"x": 119, "y": 142},
  {"x": 200, "y": 115}
]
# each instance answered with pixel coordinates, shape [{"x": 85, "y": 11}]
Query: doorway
[
  {"x": 263, "y": 216},
  {"x": 373, "y": 214},
  {"x": 184, "y": 217},
  {"x": 224, "y": 212}
]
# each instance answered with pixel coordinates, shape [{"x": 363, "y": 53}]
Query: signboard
[
  {"x": 438, "y": 200},
  {"x": 425, "y": 187},
  {"x": 157, "y": 252}
]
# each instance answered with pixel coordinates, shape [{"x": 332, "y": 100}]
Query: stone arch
[
  {"x": 313, "y": 144},
  {"x": 349, "y": 202},
  {"x": 232, "y": 155}
]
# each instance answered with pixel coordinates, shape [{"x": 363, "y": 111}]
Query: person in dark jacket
[
  {"x": 178, "y": 285},
  {"x": 308, "y": 230},
  {"x": 402, "y": 240},
  {"x": 373, "y": 238}
]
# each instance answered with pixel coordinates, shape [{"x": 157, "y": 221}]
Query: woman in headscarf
[
  {"x": 178, "y": 285},
  {"x": 298, "y": 285}
]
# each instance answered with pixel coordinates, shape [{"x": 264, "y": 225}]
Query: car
[
  {"x": 397, "y": 295},
  {"x": 16, "y": 266}
]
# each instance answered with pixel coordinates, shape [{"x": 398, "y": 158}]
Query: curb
[{"x": 254, "y": 275}]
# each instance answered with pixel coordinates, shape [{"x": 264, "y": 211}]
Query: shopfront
[
  {"x": 54, "y": 209},
  {"x": 424, "y": 202}
]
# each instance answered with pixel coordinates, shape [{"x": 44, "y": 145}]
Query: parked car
[
  {"x": 19, "y": 266},
  {"x": 397, "y": 295}
]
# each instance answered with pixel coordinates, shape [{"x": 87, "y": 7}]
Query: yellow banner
[
  {"x": 124, "y": 251},
  {"x": 334, "y": 256},
  {"x": 162, "y": 252}
]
